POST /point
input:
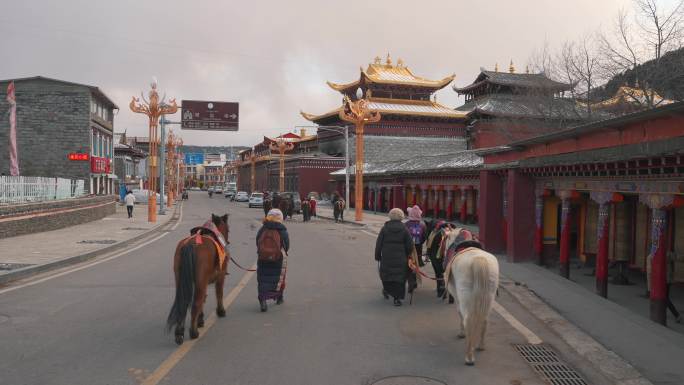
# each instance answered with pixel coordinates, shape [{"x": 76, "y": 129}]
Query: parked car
[
  {"x": 241, "y": 196},
  {"x": 195, "y": 188},
  {"x": 141, "y": 196},
  {"x": 230, "y": 194},
  {"x": 256, "y": 200},
  {"x": 296, "y": 199},
  {"x": 218, "y": 190}
]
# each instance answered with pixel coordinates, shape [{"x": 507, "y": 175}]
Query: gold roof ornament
[
  {"x": 388, "y": 62},
  {"x": 400, "y": 63},
  {"x": 377, "y": 60},
  {"x": 511, "y": 69},
  {"x": 496, "y": 67}
]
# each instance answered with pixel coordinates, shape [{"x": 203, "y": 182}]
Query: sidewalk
[
  {"x": 652, "y": 349},
  {"x": 373, "y": 222},
  {"x": 26, "y": 255}
]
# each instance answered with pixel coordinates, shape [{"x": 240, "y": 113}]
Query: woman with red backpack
[{"x": 272, "y": 242}]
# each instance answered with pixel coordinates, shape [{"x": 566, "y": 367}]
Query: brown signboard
[{"x": 210, "y": 116}]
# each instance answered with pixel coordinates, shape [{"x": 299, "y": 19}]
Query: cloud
[{"x": 274, "y": 56}]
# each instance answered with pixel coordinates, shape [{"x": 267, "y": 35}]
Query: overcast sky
[{"x": 273, "y": 57}]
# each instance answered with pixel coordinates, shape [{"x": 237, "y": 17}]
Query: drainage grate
[
  {"x": 546, "y": 363},
  {"x": 133, "y": 228},
  {"x": 13, "y": 266},
  {"x": 98, "y": 241}
]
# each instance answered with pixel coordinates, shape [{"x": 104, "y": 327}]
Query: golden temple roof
[
  {"x": 399, "y": 107},
  {"x": 389, "y": 73},
  {"x": 630, "y": 95}
]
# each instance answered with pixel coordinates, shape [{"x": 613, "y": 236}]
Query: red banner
[
  {"x": 13, "y": 155},
  {"x": 100, "y": 165}
]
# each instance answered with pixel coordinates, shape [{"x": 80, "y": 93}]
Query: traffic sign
[
  {"x": 209, "y": 116},
  {"x": 194, "y": 158}
]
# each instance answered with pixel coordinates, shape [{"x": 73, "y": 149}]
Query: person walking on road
[
  {"x": 130, "y": 203},
  {"x": 392, "y": 249},
  {"x": 417, "y": 228},
  {"x": 272, "y": 243},
  {"x": 306, "y": 210},
  {"x": 312, "y": 204}
]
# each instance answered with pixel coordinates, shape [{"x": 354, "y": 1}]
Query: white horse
[{"x": 473, "y": 278}]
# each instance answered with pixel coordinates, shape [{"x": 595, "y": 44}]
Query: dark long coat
[{"x": 392, "y": 249}]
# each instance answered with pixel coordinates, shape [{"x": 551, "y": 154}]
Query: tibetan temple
[{"x": 545, "y": 178}]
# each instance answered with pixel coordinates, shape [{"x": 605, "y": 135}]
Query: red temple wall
[{"x": 657, "y": 129}]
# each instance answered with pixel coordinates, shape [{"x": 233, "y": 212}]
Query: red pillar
[
  {"x": 399, "y": 194},
  {"x": 565, "y": 238},
  {"x": 436, "y": 203},
  {"x": 520, "y": 242},
  {"x": 413, "y": 195},
  {"x": 659, "y": 266},
  {"x": 464, "y": 205},
  {"x": 603, "y": 227},
  {"x": 539, "y": 227},
  {"x": 450, "y": 204},
  {"x": 490, "y": 203}
]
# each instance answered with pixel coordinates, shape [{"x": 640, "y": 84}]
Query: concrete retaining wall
[{"x": 45, "y": 216}]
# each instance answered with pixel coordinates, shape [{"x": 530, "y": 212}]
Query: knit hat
[
  {"x": 274, "y": 215},
  {"x": 414, "y": 213},
  {"x": 396, "y": 214}
]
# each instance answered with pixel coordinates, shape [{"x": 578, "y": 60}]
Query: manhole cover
[
  {"x": 134, "y": 228},
  {"x": 13, "y": 266},
  {"x": 99, "y": 241},
  {"x": 546, "y": 363},
  {"x": 408, "y": 380}
]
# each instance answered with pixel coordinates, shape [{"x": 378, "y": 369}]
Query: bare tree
[
  {"x": 647, "y": 35},
  {"x": 542, "y": 59}
]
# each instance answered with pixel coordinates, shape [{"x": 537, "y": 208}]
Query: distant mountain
[{"x": 669, "y": 83}]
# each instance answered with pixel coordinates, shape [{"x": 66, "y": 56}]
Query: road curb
[
  {"x": 607, "y": 362},
  {"x": 343, "y": 222},
  {"x": 30, "y": 271}
]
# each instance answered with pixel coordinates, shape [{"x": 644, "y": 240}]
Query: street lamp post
[
  {"x": 281, "y": 146},
  {"x": 358, "y": 113},
  {"x": 252, "y": 185},
  {"x": 154, "y": 109}
]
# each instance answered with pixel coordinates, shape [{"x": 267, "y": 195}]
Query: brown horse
[
  {"x": 268, "y": 205},
  {"x": 196, "y": 265},
  {"x": 338, "y": 210}
]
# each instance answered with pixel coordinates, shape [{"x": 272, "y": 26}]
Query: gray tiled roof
[
  {"x": 458, "y": 160},
  {"x": 392, "y": 148},
  {"x": 530, "y": 106},
  {"x": 518, "y": 80}
]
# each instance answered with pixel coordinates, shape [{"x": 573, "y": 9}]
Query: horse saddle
[{"x": 210, "y": 229}]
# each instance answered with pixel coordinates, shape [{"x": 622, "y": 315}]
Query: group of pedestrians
[{"x": 397, "y": 242}]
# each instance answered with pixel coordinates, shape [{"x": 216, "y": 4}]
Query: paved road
[{"x": 104, "y": 324}]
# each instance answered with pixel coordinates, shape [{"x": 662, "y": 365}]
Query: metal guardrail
[{"x": 26, "y": 189}]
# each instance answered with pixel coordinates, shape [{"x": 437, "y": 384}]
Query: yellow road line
[{"x": 174, "y": 358}]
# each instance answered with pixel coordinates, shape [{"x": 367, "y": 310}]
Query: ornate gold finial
[
  {"x": 511, "y": 69},
  {"x": 389, "y": 60},
  {"x": 377, "y": 60},
  {"x": 527, "y": 69},
  {"x": 496, "y": 67},
  {"x": 400, "y": 63}
]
